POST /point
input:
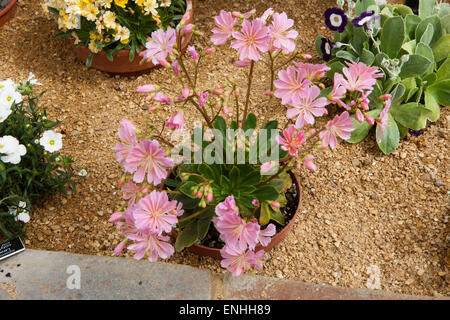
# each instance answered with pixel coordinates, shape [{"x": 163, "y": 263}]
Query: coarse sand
[{"x": 364, "y": 214}]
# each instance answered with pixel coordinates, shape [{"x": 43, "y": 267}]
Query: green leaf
[
  {"x": 390, "y": 138},
  {"x": 427, "y": 35},
  {"x": 415, "y": 66},
  {"x": 265, "y": 213},
  {"x": 411, "y": 115},
  {"x": 364, "y": 5},
  {"x": 422, "y": 27},
  {"x": 398, "y": 93},
  {"x": 89, "y": 59},
  {"x": 345, "y": 55},
  {"x": 441, "y": 92},
  {"x": 266, "y": 192},
  {"x": 444, "y": 71},
  {"x": 336, "y": 66},
  {"x": 432, "y": 105},
  {"x": 426, "y": 8},
  {"x": 445, "y": 22},
  {"x": 186, "y": 188},
  {"x": 392, "y": 36},
  {"x": 411, "y": 21},
  {"x": 367, "y": 57},
  {"x": 441, "y": 48},
  {"x": 318, "y": 43},
  {"x": 186, "y": 237},
  {"x": 203, "y": 227},
  {"x": 362, "y": 128},
  {"x": 277, "y": 216},
  {"x": 250, "y": 122}
]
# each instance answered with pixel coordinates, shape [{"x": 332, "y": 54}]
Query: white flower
[
  {"x": 51, "y": 141},
  {"x": 32, "y": 80},
  {"x": 23, "y": 216},
  {"x": 5, "y": 111},
  {"x": 11, "y": 150},
  {"x": 83, "y": 173},
  {"x": 22, "y": 204},
  {"x": 9, "y": 95}
]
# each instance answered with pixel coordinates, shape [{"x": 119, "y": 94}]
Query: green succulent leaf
[
  {"x": 412, "y": 21},
  {"x": 443, "y": 72},
  {"x": 187, "y": 236},
  {"x": 441, "y": 92},
  {"x": 426, "y": 8},
  {"x": 393, "y": 36},
  {"x": 441, "y": 48},
  {"x": 416, "y": 66},
  {"x": 432, "y": 105},
  {"x": 411, "y": 115},
  {"x": 390, "y": 138},
  {"x": 362, "y": 128},
  {"x": 423, "y": 25}
]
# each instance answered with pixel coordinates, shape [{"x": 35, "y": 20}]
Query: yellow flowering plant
[{"x": 112, "y": 25}]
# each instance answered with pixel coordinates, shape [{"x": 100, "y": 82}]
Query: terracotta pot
[
  {"x": 202, "y": 250},
  {"x": 121, "y": 63},
  {"x": 8, "y": 12}
]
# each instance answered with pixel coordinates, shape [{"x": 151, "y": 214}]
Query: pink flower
[
  {"x": 175, "y": 67},
  {"x": 383, "y": 120},
  {"x": 236, "y": 233},
  {"x": 242, "y": 63},
  {"x": 237, "y": 261},
  {"x": 252, "y": 39},
  {"x": 225, "y": 23},
  {"x": 308, "y": 107},
  {"x": 360, "y": 77},
  {"x": 176, "y": 121},
  {"x": 131, "y": 192},
  {"x": 265, "y": 236},
  {"x": 148, "y": 157},
  {"x": 146, "y": 88},
  {"x": 290, "y": 85},
  {"x": 115, "y": 217},
  {"x": 338, "y": 93},
  {"x": 152, "y": 213},
  {"x": 291, "y": 141},
  {"x": 152, "y": 244},
  {"x": 119, "y": 248},
  {"x": 193, "y": 53},
  {"x": 127, "y": 133},
  {"x": 341, "y": 126},
  {"x": 314, "y": 72},
  {"x": 160, "y": 45},
  {"x": 281, "y": 36},
  {"x": 267, "y": 14},
  {"x": 202, "y": 99},
  {"x": 269, "y": 168},
  {"x": 187, "y": 29},
  {"x": 161, "y": 98},
  {"x": 309, "y": 164},
  {"x": 227, "y": 207}
]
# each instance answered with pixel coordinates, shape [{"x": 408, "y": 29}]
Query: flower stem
[
  {"x": 247, "y": 98},
  {"x": 194, "y": 215}
]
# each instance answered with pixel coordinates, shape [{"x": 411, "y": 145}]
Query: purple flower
[
  {"x": 326, "y": 47},
  {"x": 336, "y": 19},
  {"x": 415, "y": 133},
  {"x": 364, "y": 19}
]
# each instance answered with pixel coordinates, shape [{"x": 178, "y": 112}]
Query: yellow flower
[
  {"x": 140, "y": 3},
  {"x": 93, "y": 47},
  {"x": 75, "y": 36},
  {"x": 109, "y": 19},
  {"x": 105, "y": 3},
  {"x": 166, "y": 3},
  {"x": 90, "y": 12},
  {"x": 122, "y": 34},
  {"x": 150, "y": 7},
  {"x": 121, "y": 3}
]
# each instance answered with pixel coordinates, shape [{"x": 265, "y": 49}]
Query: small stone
[
  {"x": 279, "y": 274},
  {"x": 403, "y": 155},
  {"x": 420, "y": 272},
  {"x": 409, "y": 281},
  {"x": 439, "y": 184}
]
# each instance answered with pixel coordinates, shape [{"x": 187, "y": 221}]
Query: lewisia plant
[{"x": 236, "y": 202}]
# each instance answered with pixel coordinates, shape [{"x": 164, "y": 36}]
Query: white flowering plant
[
  {"x": 112, "y": 25},
  {"x": 31, "y": 166}
]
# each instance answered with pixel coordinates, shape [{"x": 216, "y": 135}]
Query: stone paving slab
[
  {"x": 248, "y": 287},
  {"x": 35, "y": 274}
]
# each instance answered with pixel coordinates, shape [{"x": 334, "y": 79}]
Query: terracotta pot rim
[
  {"x": 7, "y": 8},
  {"x": 276, "y": 239}
]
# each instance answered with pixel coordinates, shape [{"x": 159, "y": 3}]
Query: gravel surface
[{"x": 363, "y": 213}]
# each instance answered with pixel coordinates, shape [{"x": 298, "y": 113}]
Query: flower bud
[
  {"x": 209, "y": 197},
  {"x": 187, "y": 29},
  {"x": 359, "y": 116},
  {"x": 369, "y": 119}
]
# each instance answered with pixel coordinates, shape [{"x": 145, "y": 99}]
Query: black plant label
[{"x": 10, "y": 248}]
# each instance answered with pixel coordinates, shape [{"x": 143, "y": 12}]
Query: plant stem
[
  {"x": 247, "y": 98},
  {"x": 194, "y": 215}
]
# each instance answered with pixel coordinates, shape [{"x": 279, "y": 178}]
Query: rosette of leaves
[
  {"x": 413, "y": 52},
  {"x": 39, "y": 173},
  {"x": 141, "y": 26},
  {"x": 243, "y": 181}
]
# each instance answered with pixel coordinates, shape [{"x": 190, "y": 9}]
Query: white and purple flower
[
  {"x": 336, "y": 19},
  {"x": 326, "y": 47},
  {"x": 365, "y": 19}
]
